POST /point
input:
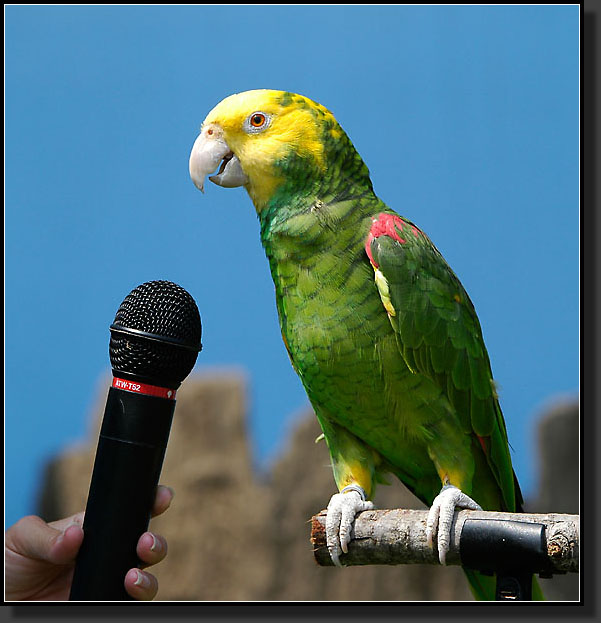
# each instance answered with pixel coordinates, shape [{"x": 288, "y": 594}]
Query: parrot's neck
[
  {"x": 319, "y": 234},
  {"x": 297, "y": 183},
  {"x": 321, "y": 209},
  {"x": 315, "y": 221}
]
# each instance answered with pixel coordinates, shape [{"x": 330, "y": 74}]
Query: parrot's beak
[{"x": 208, "y": 151}]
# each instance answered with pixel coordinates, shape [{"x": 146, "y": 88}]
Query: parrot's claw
[
  {"x": 441, "y": 515},
  {"x": 342, "y": 509}
]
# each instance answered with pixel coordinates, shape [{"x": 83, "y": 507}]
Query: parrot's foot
[
  {"x": 441, "y": 514},
  {"x": 342, "y": 509}
]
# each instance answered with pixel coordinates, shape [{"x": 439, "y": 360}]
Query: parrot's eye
[{"x": 257, "y": 121}]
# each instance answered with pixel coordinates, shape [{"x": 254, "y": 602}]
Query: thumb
[{"x": 33, "y": 538}]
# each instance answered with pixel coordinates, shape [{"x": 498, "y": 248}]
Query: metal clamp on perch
[{"x": 513, "y": 550}]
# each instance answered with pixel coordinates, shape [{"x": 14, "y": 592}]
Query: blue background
[{"x": 468, "y": 118}]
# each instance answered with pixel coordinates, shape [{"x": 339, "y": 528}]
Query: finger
[
  {"x": 151, "y": 548},
  {"x": 162, "y": 500},
  {"x": 67, "y": 544},
  {"x": 32, "y": 537},
  {"x": 61, "y": 524},
  {"x": 141, "y": 585}
]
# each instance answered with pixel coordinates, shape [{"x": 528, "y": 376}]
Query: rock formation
[{"x": 237, "y": 535}]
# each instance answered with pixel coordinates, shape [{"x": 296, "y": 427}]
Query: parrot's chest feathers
[
  {"x": 311, "y": 228},
  {"x": 336, "y": 329},
  {"x": 331, "y": 314},
  {"x": 314, "y": 255}
]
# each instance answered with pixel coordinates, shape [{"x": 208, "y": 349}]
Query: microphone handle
[{"x": 131, "y": 447}]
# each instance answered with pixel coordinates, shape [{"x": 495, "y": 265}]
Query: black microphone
[{"x": 155, "y": 340}]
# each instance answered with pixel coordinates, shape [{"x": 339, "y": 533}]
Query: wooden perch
[{"x": 395, "y": 537}]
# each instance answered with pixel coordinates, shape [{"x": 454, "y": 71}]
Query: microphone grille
[{"x": 156, "y": 333}]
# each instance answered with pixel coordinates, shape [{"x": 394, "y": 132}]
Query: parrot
[{"x": 380, "y": 330}]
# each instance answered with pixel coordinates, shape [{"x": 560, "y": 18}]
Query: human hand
[{"x": 39, "y": 557}]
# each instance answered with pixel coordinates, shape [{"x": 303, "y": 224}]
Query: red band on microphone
[{"x": 143, "y": 388}]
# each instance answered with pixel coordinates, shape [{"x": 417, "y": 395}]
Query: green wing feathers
[{"x": 439, "y": 336}]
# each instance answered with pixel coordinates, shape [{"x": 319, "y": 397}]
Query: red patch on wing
[
  {"x": 483, "y": 443},
  {"x": 385, "y": 225}
]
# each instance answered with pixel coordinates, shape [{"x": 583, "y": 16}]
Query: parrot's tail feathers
[
  {"x": 537, "y": 593},
  {"x": 484, "y": 586}
]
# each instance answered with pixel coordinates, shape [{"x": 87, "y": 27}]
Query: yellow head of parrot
[{"x": 248, "y": 133}]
